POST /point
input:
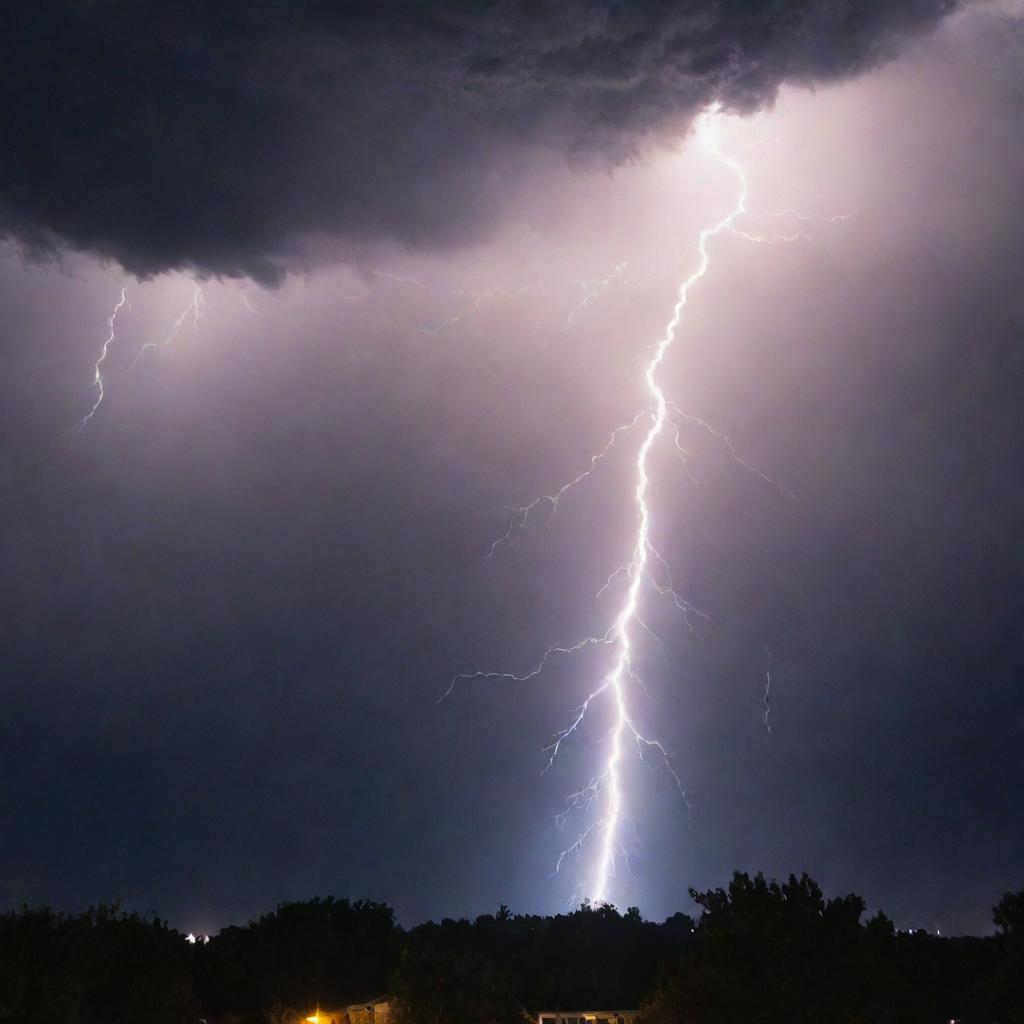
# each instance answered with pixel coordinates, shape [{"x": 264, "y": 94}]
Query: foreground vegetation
[{"x": 761, "y": 952}]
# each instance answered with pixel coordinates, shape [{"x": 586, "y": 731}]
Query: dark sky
[{"x": 231, "y": 603}]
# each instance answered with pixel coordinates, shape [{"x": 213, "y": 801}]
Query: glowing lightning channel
[
  {"x": 521, "y": 515},
  {"x": 727, "y": 441},
  {"x": 778, "y": 236},
  {"x": 591, "y": 291},
  {"x": 476, "y": 300},
  {"x": 605, "y": 790},
  {"x": 615, "y": 681},
  {"x": 195, "y": 306},
  {"x": 97, "y": 378}
]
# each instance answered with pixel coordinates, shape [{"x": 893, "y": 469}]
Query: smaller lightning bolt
[
  {"x": 778, "y": 235},
  {"x": 521, "y": 515},
  {"x": 591, "y": 290},
  {"x": 513, "y": 677},
  {"x": 766, "y": 698},
  {"x": 576, "y": 848},
  {"x": 97, "y": 377},
  {"x": 666, "y": 588},
  {"x": 400, "y": 279},
  {"x": 195, "y": 306},
  {"x": 730, "y": 447},
  {"x": 476, "y": 300},
  {"x": 349, "y": 296},
  {"x": 369, "y": 288}
]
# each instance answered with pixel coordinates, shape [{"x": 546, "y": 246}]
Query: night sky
[{"x": 433, "y": 245}]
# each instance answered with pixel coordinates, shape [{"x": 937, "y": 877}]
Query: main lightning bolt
[
  {"x": 615, "y": 683},
  {"x": 645, "y": 564}
]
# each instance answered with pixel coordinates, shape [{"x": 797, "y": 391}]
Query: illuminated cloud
[{"x": 222, "y": 137}]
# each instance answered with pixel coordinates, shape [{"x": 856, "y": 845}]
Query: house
[
  {"x": 588, "y": 1016},
  {"x": 367, "y": 1011},
  {"x": 370, "y": 1011}
]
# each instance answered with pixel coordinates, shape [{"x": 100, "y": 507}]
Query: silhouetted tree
[
  {"x": 326, "y": 951},
  {"x": 100, "y": 967},
  {"x": 763, "y": 952},
  {"x": 443, "y": 978},
  {"x": 766, "y": 952},
  {"x": 1009, "y": 919}
]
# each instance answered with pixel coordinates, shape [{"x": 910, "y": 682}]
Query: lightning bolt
[
  {"x": 195, "y": 306},
  {"x": 777, "y": 235},
  {"x": 609, "y": 830},
  {"x": 606, "y": 790},
  {"x": 368, "y": 288},
  {"x": 615, "y": 683},
  {"x": 476, "y": 300},
  {"x": 97, "y": 376},
  {"x": 591, "y": 290},
  {"x": 521, "y": 515},
  {"x": 726, "y": 441},
  {"x": 387, "y": 275}
]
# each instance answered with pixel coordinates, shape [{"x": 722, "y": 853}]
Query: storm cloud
[{"x": 223, "y": 137}]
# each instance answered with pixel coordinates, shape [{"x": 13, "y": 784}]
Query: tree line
[{"x": 761, "y": 952}]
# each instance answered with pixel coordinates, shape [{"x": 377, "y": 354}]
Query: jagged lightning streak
[
  {"x": 476, "y": 300},
  {"x": 615, "y": 681},
  {"x": 368, "y": 287},
  {"x": 591, "y": 290},
  {"x": 97, "y": 378},
  {"x": 195, "y": 306},
  {"x": 727, "y": 441},
  {"x": 605, "y": 790},
  {"x": 521, "y": 515},
  {"x": 777, "y": 235}
]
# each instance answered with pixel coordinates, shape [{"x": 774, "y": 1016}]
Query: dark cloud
[{"x": 219, "y": 136}]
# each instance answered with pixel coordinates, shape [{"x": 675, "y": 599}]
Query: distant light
[{"x": 190, "y": 938}]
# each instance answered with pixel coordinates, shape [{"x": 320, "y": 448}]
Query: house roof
[
  {"x": 365, "y": 1004},
  {"x": 586, "y": 1013}
]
